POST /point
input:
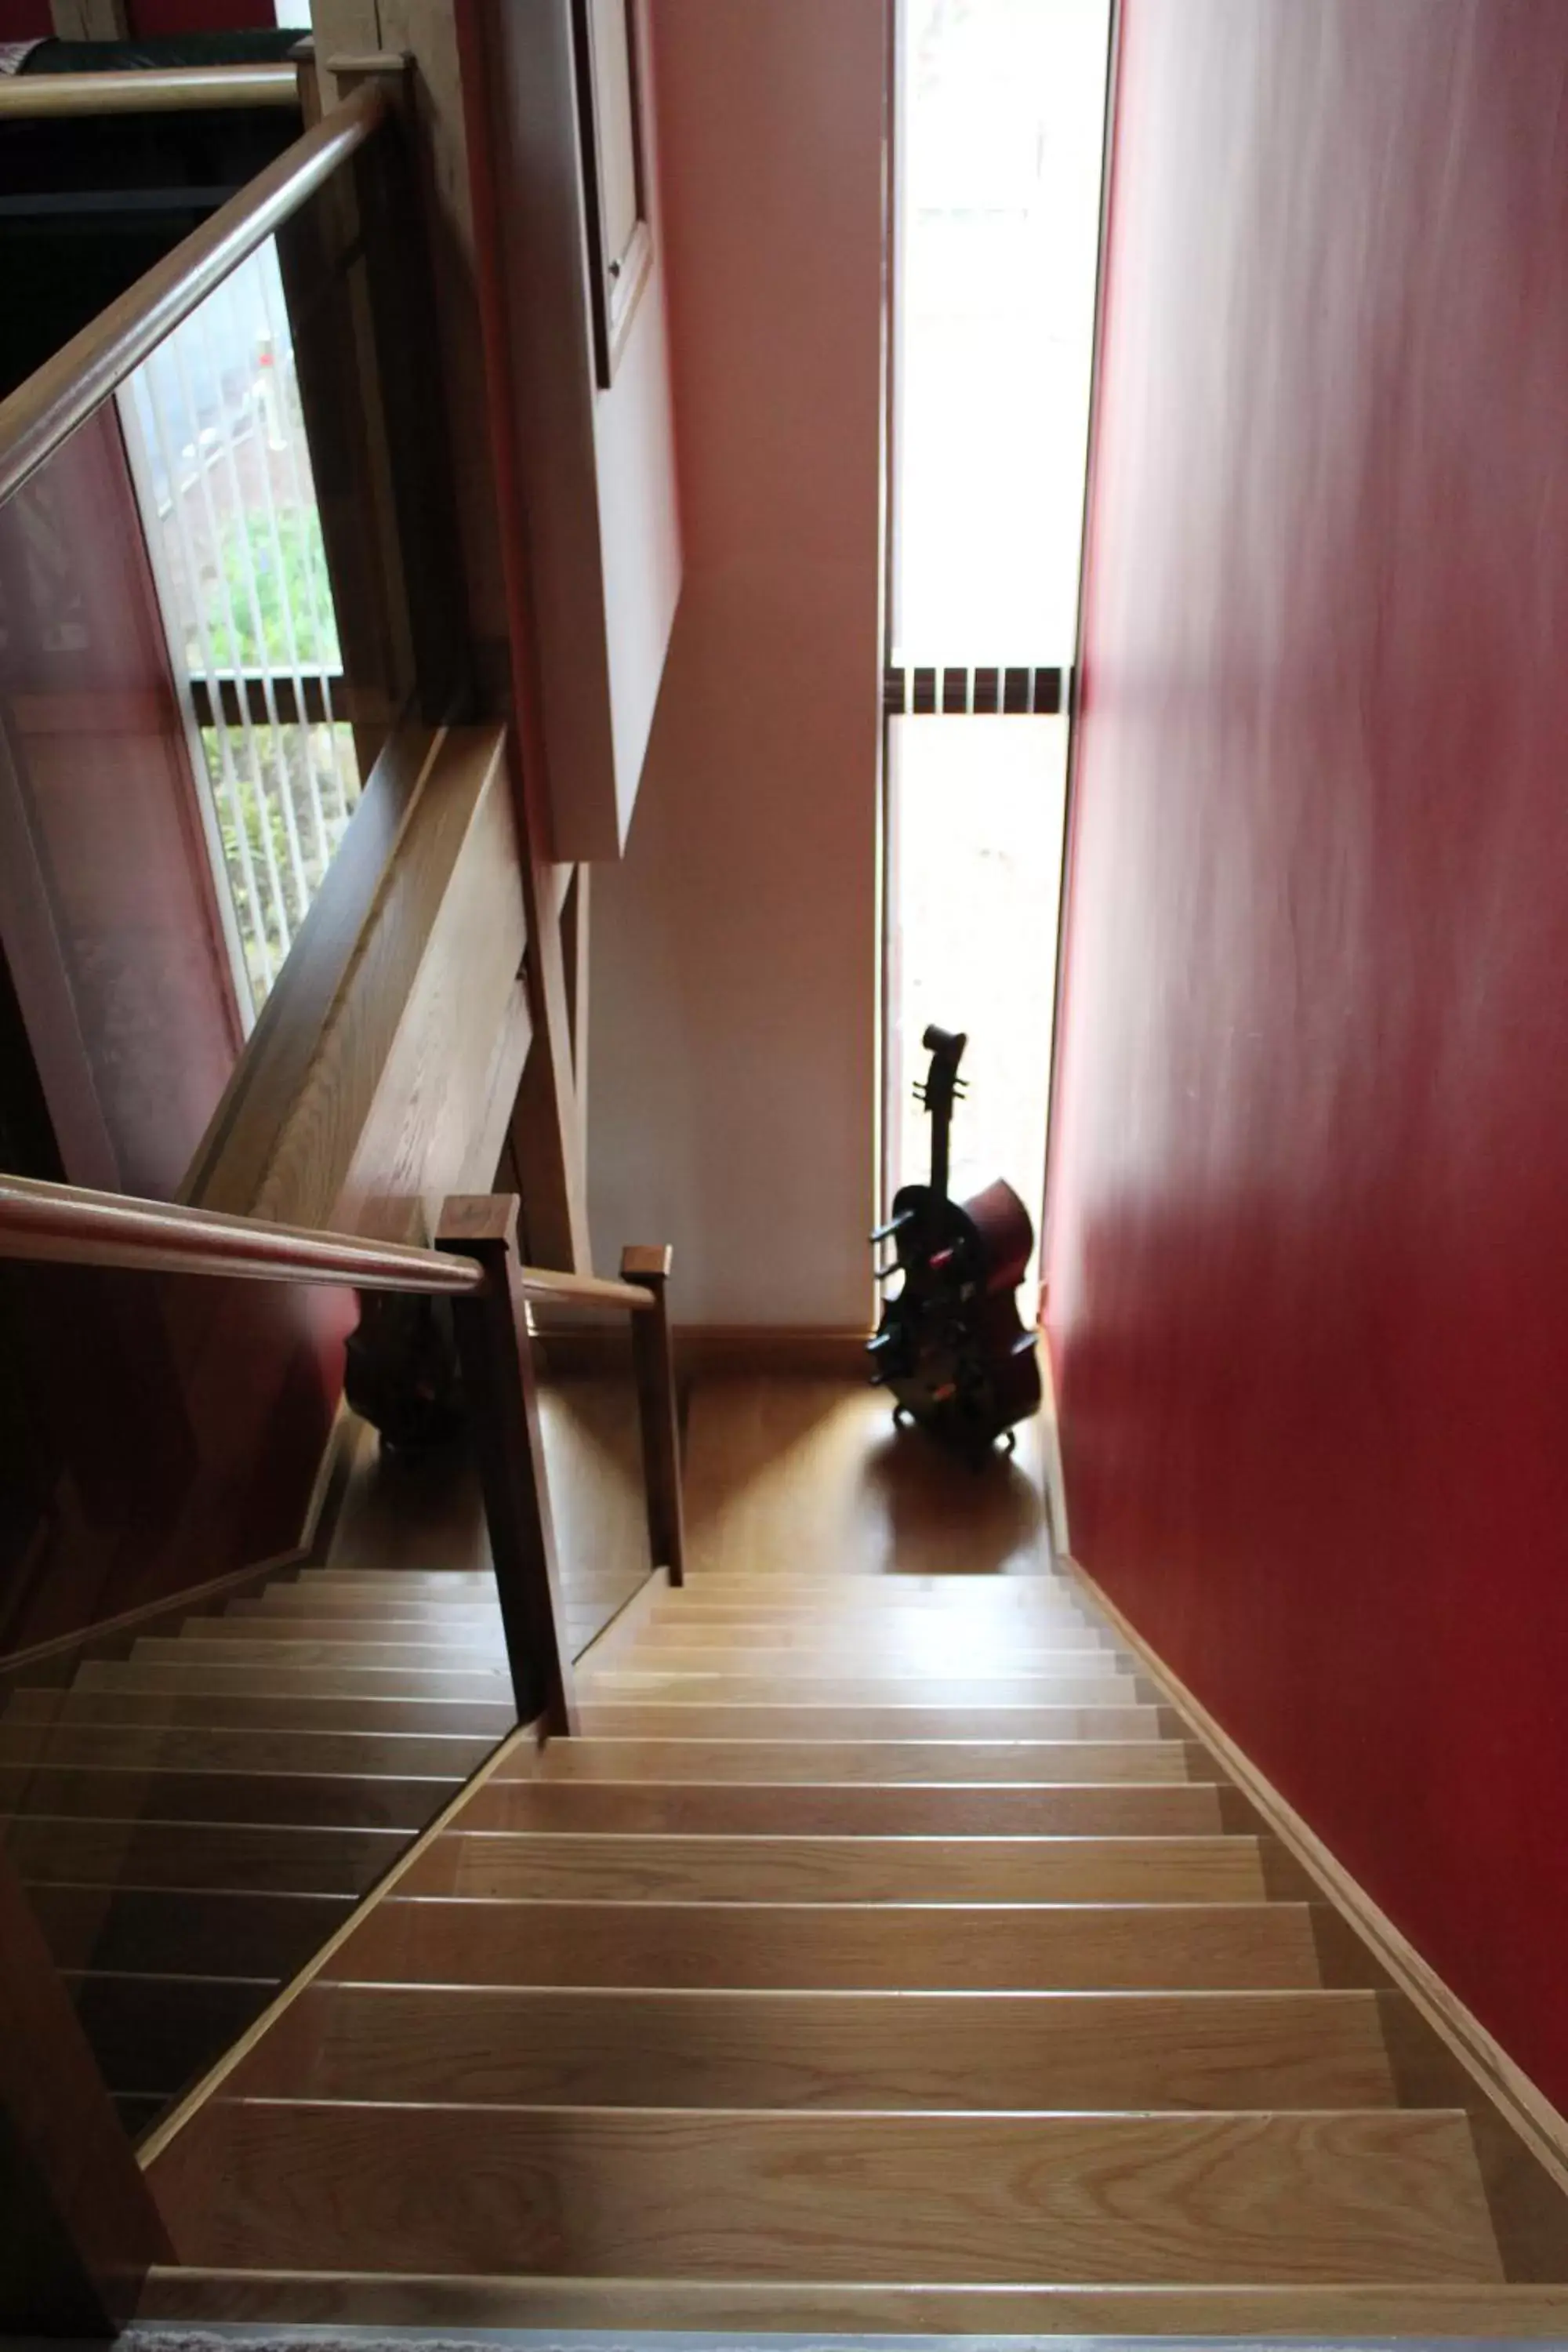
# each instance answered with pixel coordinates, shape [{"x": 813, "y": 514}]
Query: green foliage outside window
[{"x": 252, "y": 588}]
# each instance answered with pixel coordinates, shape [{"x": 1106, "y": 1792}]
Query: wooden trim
[
  {"x": 398, "y": 337},
  {"x": 158, "y": 2139},
  {"x": 349, "y": 67},
  {"x": 723, "y": 1350},
  {"x": 81, "y": 2230},
  {"x": 62, "y": 1224},
  {"x": 1056, "y": 1475},
  {"x": 575, "y": 961},
  {"x": 711, "y": 1350},
  {"x": 1505, "y": 2086},
  {"x": 144, "y": 90},
  {"x": 546, "y": 1132},
  {"x": 62, "y": 395},
  {"x": 658, "y": 1409}
]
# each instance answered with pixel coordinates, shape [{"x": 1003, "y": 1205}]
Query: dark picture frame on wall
[{"x": 606, "y": 36}]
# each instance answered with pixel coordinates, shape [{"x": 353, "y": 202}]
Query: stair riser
[
  {"x": 844, "y": 1810},
  {"x": 608, "y": 1869}
]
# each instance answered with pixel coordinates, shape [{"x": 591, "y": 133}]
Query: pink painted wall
[
  {"x": 734, "y": 952},
  {"x": 1309, "y": 1241}
]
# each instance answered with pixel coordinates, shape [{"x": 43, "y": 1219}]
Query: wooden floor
[{"x": 887, "y": 1956}]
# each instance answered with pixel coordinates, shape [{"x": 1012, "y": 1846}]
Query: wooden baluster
[
  {"x": 494, "y": 1350},
  {"x": 79, "y": 2230},
  {"x": 653, "y": 1355}
]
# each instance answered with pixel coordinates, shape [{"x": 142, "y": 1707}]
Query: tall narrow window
[
  {"x": 216, "y": 435},
  {"x": 998, "y": 149}
]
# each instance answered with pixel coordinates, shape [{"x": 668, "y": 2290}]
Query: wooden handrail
[
  {"x": 61, "y": 394},
  {"x": 65, "y": 1226},
  {"x": 142, "y": 90}
]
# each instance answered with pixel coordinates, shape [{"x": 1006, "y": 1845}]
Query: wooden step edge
[
  {"x": 526, "y": 1739},
  {"x": 1433, "y": 2038},
  {"x": 443, "y": 2304},
  {"x": 458, "y": 1584}
]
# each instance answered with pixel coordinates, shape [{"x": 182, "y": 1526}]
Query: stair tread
[
  {"x": 234, "y": 1856},
  {"x": 163, "y": 1931},
  {"x": 334, "y": 1800},
  {"x": 828, "y": 1654},
  {"x": 335, "y": 1687},
  {"x": 414, "y": 1618},
  {"x": 850, "y": 2049},
  {"x": 259, "y": 1681},
  {"x": 803, "y": 1947},
  {"x": 863, "y": 1758},
  {"x": 176, "y": 1748},
  {"x": 212, "y": 1646},
  {"x": 1135, "y": 2198},
  {"x": 275, "y": 1711},
  {"x": 411, "y": 1580},
  {"x": 835, "y": 1808},
  {"x": 944, "y": 1687},
  {"x": 604, "y": 1866},
  {"x": 871, "y": 1717}
]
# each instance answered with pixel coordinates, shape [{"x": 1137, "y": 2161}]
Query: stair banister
[
  {"x": 46, "y": 409},
  {"x": 146, "y": 89},
  {"x": 476, "y": 1264}
]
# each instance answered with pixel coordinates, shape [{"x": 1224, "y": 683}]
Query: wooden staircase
[
  {"x": 885, "y": 1956},
  {"x": 194, "y": 1820}
]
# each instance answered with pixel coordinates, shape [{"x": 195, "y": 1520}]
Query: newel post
[
  {"x": 502, "y": 1400},
  {"x": 653, "y": 1357}
]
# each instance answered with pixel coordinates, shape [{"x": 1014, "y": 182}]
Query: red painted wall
[{"x": 1309, "y": 1240}]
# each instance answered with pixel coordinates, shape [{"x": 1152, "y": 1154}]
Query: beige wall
[{"x": 731, "y": 1065}]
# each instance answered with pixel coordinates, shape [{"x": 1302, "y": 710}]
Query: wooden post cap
[{"x": 647, "y": 1262}]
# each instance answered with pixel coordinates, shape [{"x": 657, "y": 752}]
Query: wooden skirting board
[
  {"x": 717, "y": 1351},
  {"x": 706, "y": 1349},
  {"x": 1504, "y": 2088}
]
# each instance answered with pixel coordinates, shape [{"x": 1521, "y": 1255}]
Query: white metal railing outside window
[{"x": 216, "y": 434}]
